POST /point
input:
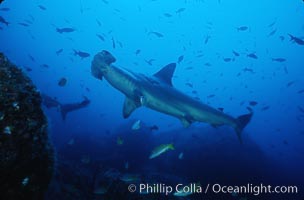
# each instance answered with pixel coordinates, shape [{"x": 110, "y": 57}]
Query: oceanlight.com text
[{"x": 254, "y": 189}]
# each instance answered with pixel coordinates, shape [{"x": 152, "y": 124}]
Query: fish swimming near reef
[
  {"x": 157, "y": 92},
  {"x": 160, "y": 150}
]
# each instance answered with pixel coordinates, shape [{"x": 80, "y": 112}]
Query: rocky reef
[{"x": 26, "y": 156}]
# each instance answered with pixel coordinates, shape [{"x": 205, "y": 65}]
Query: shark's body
[{"x": 157, "y": 93}]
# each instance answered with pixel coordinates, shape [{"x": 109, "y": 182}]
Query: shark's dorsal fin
[
  {"x": 166, "y": 73},
  {"x": 128, "y": 107}
]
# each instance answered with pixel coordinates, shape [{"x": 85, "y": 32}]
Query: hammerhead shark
[
  {"x": 50, "y": 102},
  {"x": 157, "y": 92}
]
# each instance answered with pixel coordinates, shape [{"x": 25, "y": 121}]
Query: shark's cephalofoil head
[{"x": 101, "y": 61}]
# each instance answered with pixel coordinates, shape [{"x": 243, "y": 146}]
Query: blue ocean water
[{"x": 229, "y": 54}]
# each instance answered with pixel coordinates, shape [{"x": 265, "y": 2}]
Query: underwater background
[{"x": 243, "y": 56}]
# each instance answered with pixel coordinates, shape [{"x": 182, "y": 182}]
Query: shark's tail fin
[{"x": 241, "y": 123}]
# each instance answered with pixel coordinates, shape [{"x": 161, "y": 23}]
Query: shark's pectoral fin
[
  {"x": 129, "y": 107},
  {"x": 186, "y": 122}
]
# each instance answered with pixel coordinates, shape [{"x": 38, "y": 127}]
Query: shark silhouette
[
  {"x": 157, "y": 92},
  {"x": 50, "y": 102}
]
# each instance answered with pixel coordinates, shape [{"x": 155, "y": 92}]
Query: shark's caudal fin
[
  {"x": 241, "y": 123},
  {"x": 66, "y": 108}
]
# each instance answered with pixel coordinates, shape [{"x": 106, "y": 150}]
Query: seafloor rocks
[{"x": 26, "y": 157}]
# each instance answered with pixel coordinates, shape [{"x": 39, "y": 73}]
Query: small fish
[
  {"x": 2, "y": 20},
  {"x": 181, "y": 156},
  {"x": 119, "y": 43},
  {"x": 271, "y": 25},
  {"x": 285, "y": 70},
  {"x": 130, "y": 178},
  {"x": 98, "y": 22},
  {"x": 301, "y": 91},
  {"x": 207, "y": 39},
  {"x": 265, "y": 108},
  {"x": 119, "y": 141},
  {"x": 113, "y": 43},
  {"x": 235, "y": 53},
  {"x": 45, "y": 66},
  {"x": 207, "y": 64},
  {"x": 154, "y": 128},
  {"x": 282, "y": 38},
  {"x": 167, "y": 15},
  {"x": 227, "y": 59},
  {"x": 252, "y": 55},
  {"x": 42, "y": 7},
  {"x": 211, "y": 96},
  {"x": 136, "y": 125},
  {"x": 160, "y": 150},
  {"x": 156, "y": 34},
  {"x": 32, "y": 58},
  {"x": 180, "y": 59},
  {"x": 65, "y": 30},
  {"x": 278, "y": 59},
  {"x": 199, "y": 55},
  {"x": 248, "y": 70},
  {"x": 105, "y": 1},
  {"x": 150, "y": 61},
  {"x": 188, "y": 68},
  {"x": 290, "y": 83},
  {"x": 272, "y": 32},
  {"x": 100, "y": 37},
  {"x": 137, "y": 51},
  {"x": 253, "y": 103},
  {"x": 28, "y": 69},
  {"x": 297, "y": 40},
  {"x": 242, "y": 28},
  {"x": 62, "y": 82},
  {"x": 180, "y": 10},
  {"x": 301, "y": 109},
  {"x": 59, "y": 51},
  {"x": 23, "y": 24},
  {"x": 81, "y": 54},
  {"x": 5, "y": 9}
]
